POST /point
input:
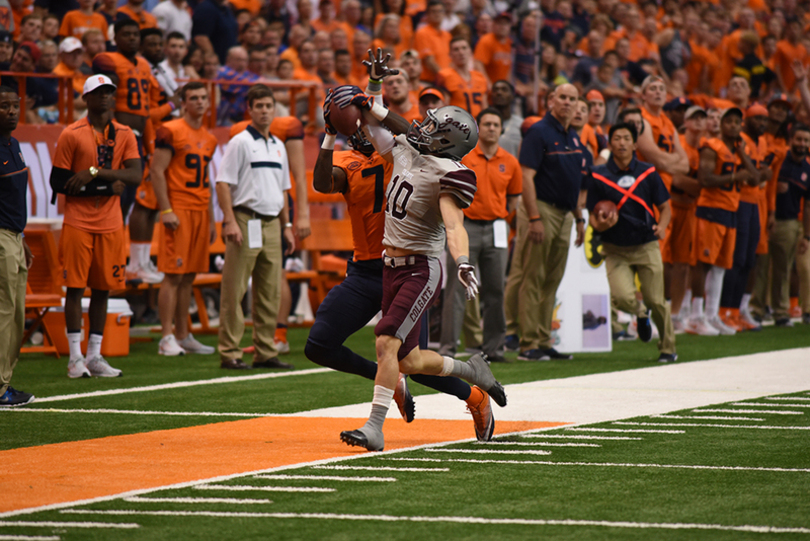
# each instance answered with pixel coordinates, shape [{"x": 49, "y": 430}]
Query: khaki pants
[
  {"x": 264, "y": 265},
  {"x": 622, "y": 264},
  {"x": 803, "y": 270},
  {"x": 515, "y": 276},
  {"x": 543, "y": 268},
  {"x": 13, "y": 276},
  {"x": 782, "y": 247},
  {"x": 762, "y": 275}
]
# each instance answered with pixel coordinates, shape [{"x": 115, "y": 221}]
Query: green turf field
[{"x": 690, "y": 474}]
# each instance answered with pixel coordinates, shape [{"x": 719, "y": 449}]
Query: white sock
[
  {"x": 75, "y": 343},
  {"x": 382, "y": 396},
  {"x": 697, "y": 307},
  {"x": 93, "y": 346},
  {"x": 685, "y": 305},
  {"x": 145, "y": 256},
  {"x": 134, "y": 254},
  {"x": 447, "y": 368},
  {"x": 714, "y": 288},
  {"x": 744, "y": 304}
]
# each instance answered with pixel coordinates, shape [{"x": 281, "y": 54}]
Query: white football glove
[{"x": 466, "y": 275}]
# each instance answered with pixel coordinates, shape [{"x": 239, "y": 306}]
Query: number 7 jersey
[
  {"x": 187, "y": 175},
  {"x": 413, "y": 220}
]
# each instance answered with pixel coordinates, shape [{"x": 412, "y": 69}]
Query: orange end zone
[{"x": 82, "y": 470}]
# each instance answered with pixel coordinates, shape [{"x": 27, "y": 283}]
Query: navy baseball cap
[{"x": 678, "y": 103}]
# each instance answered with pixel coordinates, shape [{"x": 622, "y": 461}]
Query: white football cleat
[
  {"x": 169, "y": 347},
  {"x": 283, "y": 348},
  {"x": 99, "y": 367},
  {"x": 722, "y": 328},
  {"x": 191, "y": 345},
  {"x": 78, "y": 369},
  {"x": 700, "y": 327}
]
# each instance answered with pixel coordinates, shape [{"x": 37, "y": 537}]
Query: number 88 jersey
[
  {"x": 413, "y": 220},
  {"x": 187, "y": 175}
]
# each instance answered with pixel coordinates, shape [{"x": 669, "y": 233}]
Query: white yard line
[
  {"x": 456, "y": 520},
  {"x": 603, "y": 464},
  {"x": 759, "y": 405},
  {"x": 383, "y": 468},
  {"x": 138, "y": 412},
  {"x": 329, "y": 478},
  {"x": 51, "y": 524},
  {"x": 758, "y": 427},
  {"x": 539, "y": 444},
  {"x": 632, "y": 430},
  {"x": 29, "y": 538},
  {"x": 491, "y": 451},
  {"x": 235, "y": 501},
  {"x": 769, "y": 412},
  {"x": 247, "y": 488},
  {"x": 581, "y": 437},
  {"x": 710, "y": 417},
  {"x": 181, "y": 384},
  {"x": 799, "y": 398}
]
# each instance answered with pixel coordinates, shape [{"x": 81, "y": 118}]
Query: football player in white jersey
[{"x": 425, "y": 198}]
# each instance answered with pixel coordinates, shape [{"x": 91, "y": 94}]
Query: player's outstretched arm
[{"x": 458, "y": 243}]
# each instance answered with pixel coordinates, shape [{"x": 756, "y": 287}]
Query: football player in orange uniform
[
  {"x": 467, "y": 88},
  {"x": 133, "y": 108},
  {"x": 724, "y": 165},
  {"x": 685, "y": 191},
  {"x": 183, "y": 150}
]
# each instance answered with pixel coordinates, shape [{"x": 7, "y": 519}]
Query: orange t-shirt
[
  {"x": 135, "y": 81},
  {"x": 79, "y": 78},
  {"x": 725, "y": 197},
  {"x": 413, "y": 113},
  {"x": 663, "y": 132},
  {"x": 253, "y": 6},
  {"x": 397, "y": 49},
  {"x": 319, "y": 26},
  {"x": 783, "y": 58},
  {"x": 77, "y": 150},
  {"x": 496, "y": 178},
  {"x": 368, "y": 178},
  {"x": 589, "y": 138},
  {"x": 187, "y": 174},
  {"x": 640, "y": 47},
  {"x": 433, "y": 42},
  {"x": 144, "y": 18},
  {"x": 292, "y": 55},
  {"x": 76, "y": 23},
  {"x": 405, "y": 29},
  {"x": 755, "y": 151},
  {"x": 284, "y": 128},
  {"x": 469, "y": 95},
  {"x": 496, "y": 56}
]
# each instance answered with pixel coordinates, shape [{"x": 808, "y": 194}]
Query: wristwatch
[
  {"x": 93, "y": 171},
  {"x": 288, "y": 224},
  {"x": 580, "y": 220}
]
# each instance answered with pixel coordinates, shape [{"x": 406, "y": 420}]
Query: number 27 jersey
[{"x": 413, "y": 220}]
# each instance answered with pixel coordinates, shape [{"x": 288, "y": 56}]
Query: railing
[{"x": 65, "y": 100}]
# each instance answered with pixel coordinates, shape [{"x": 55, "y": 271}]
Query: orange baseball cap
[
  {"x": 431, "y": 92},
  {"x": 756, "y": 110},
  {"x": 594, "y": 95}
]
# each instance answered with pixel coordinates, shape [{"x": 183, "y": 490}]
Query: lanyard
[{"x": 628, "y": 193}]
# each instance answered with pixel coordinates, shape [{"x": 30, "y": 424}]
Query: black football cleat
[
  {"x": 357, "y": 438},
  {"x": 404, "y": 399}
]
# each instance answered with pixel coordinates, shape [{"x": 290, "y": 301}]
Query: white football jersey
[{"x": 413, "y": 220}]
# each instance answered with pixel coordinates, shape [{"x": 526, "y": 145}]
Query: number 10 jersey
[{"x": 413, "y": 220}]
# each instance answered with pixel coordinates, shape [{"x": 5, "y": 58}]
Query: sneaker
[
  {"x": 483, "y": 378},
  {"x": 747, "y": 322},
  {"x": 668, "y": 358},
  {"x": 100, "y": 368},
  {"x": 623, "y": 336},
  {"x": 13, "y": 398},
  {"x": 497, "y": 358},
  {"x": 152, "y": 268},
  {"x": 678, "y": 325},
  {"x": 644, "y": 327},
  {"x": 145, "y": 275},
  {"x": 512, "y": 342},
  {"x": 700, "y": 327},
  {"x": 169, "y": 347},
  {"x": 372, "y": 442},
  {"x": 783, "y": 322},
  {"x": 806, "y": 318},
  {"x": 555, "y": 355},
  {"x": 482, "y": 417},
  {"x": 78, "y": 369},
  {"x": 795, "y": 311},
  {"x": 721, "y": 327},
  {"x": 404, "y": 399},
  {"x": 283, "y": 347},
  {"x": 533, "y": 355},
  {"x": 191, "y": 345},
  {"x": 728, "y": 319}
]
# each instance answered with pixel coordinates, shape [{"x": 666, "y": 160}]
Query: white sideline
[{"x": 461, "y": 520}]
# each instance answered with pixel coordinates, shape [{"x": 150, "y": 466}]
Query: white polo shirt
[{"x": 257, "y": 170}]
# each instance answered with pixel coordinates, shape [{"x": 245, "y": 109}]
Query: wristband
[
  {"x": 288, "y": 224},
  {"x": 167, "y": 211},
  {"x": 536, "y": 218},
  {"x": 172, "y": 105},
  {"x": 374, "y": 86},
  {"x": 461, "y": 260},
  {"x": 379, "y": 111},
  {"x": 329, "y": 142}
]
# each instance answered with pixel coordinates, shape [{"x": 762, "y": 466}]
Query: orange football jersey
[
  {"x": 663, "y": 132},
  {"x": 469, "y": 95},
  {"x": 368, "y": 178},
  {"x": 187, "y": 174},
  {"x": 755, "y": 151},
  {"x": 725, "y": 197},
  {"x": 135, "y": 81}
]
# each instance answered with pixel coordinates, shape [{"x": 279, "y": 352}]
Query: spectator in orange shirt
[
  {"x": 499, "y": 180},
  {"x": 326, "y": 20},
  {"x": 467, "y": 88},
  {"x": 433, "y": 42},
  {"x": 79, "y": 21},
  {"x": 398, "y": 98},
  {"x": 493, "y": 53},
  {"x": 134, "y": 10},
  {"x": 388, "y": 36},
  {"x": 787, "y": 50},
  {"x": 410, "y": 63},
  {"x": 93, "y": 42},
  {"x": 360, "y": 46},
  {"x": 326, "y": 68},
  {"x": 397, "y": 7},
  {"x": 431, "y": 98},
  {"x": 640, "y": 46},
  {"x": 70, "y": 60},
  {"x": 298, "y": 35},
  {"x": 343, "y": 67}
]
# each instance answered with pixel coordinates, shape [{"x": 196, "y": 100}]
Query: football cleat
[
  {"x": 482, "y": 416},
  {"x": 404, "y": 399},
  {"x": 356, "y": 438},
  {"x": 484, "y": 378},
  {"x": 700, "y": 327},
  {"x": 721, "y": 327}
]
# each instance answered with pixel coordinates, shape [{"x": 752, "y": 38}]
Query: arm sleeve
[
  {"x": 65, "y": 147},
  {"x": 532, "y": 150},
  {"x": 594, "y": 196},
  {"x": 229, "y": 166},
  {"x": 382, "y": 139},
  {"x": 104, "y": 64},
  {"x": 460, "y": 183},
  {"x": 164, "y": 139}
]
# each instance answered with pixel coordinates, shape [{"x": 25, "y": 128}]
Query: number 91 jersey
[
  {"x": 187, "y": 174},
  {"x": 413, "y": 220}
]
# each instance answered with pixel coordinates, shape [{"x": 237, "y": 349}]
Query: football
[
  {"x": 346, "y": 120},
  {"x": 605, "y": 207}
]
